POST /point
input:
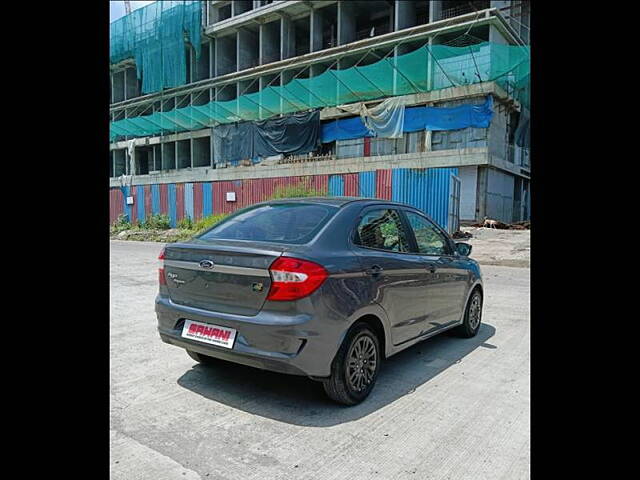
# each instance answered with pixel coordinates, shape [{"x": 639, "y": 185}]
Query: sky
[{"x": 117, "y": 10}]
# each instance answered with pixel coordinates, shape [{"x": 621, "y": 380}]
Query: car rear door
[
  {"x": 394, "y": 278},
  {"x": 448, "y": 278}
]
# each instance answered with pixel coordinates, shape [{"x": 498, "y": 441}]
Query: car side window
[
  {"x": 382, "y": 229},
  {"x": 429, "y": 239}
]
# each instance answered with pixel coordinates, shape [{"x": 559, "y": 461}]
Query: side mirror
[{"x": 463, "y": 249}]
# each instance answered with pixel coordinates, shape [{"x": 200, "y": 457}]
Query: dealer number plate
[{"x": 207, "y": 333}]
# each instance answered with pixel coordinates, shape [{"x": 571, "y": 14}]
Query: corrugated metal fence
[{"x": 426, "y": 189}]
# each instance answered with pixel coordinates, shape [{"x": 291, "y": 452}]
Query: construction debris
[
  {"x": 488, "y": 223},
  {"x": 460, "y": 234},
  {"x": 306, "y": 158}
]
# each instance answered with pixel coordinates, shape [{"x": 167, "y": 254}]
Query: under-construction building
[{"x": 216, "y": 104}]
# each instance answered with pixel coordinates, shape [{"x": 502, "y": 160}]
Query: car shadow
[{"x": 301, "y": 401}]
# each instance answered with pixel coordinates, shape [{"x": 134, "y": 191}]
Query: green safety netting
[
  {"x": 154, "y": 36},
  {"x": 424, "y": 69}
]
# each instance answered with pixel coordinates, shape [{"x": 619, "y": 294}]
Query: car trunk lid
[{"x": 227, "y": 277}]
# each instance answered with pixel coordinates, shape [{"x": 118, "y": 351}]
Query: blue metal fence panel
[
  {"x": 426, "y": 189},
  {"x": 155, "y": 199},
  {"x": 171, "y": 189},
  {"x": 127, "y": 208},
  {"x": 207, "y": 199},
  {"x": 336, "y": 186},
  {"x": 367, "y": 182},
  {"x": 188, "y": 200},
  {"x": 140, "y": 202}
]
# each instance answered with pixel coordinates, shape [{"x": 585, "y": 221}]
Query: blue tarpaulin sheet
[
  {"x": 416, "y": 119},
  {"x": 344, "y": 129}
]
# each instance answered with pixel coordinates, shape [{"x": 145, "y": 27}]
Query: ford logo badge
[{"x": 206, "y": 264}]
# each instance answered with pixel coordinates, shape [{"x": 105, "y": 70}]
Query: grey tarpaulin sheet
[
  {"x": 232, "y": 142},
  {"x": 292, "y": 134}
]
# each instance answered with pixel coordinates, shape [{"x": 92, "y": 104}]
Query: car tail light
[
  {"x": 161, "y": 278},
  {"x": 293, "y": 278}
]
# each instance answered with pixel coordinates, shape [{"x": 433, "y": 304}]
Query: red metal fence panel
[
  {"x": 383, "y": 184},
  {"x": 116, "y": 202},
  {"x": 164, "y": 199},
  {"x": 179, "y": 201},
  {"x": 148, "y": 208},
  {"x": 351, "y": 181},
  {"x": 197, "y": 201}
]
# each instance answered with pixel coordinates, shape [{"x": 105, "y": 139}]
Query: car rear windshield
[{"x": 281, "y": 223}]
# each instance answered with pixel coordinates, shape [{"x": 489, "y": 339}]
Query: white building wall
[
  {"x": 468, "y": 192},
  {"x": 500, "y": 188}
]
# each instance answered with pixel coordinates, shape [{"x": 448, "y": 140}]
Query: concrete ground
[
  {"x": 447, "y": 408},
  {"x": 492, "y": 246}
]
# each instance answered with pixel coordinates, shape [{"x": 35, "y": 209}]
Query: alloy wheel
[
  {"x": 475, "y": 310},
  {"x": 361, "y": 363}
]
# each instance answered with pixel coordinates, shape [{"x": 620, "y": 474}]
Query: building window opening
[
  {"x": 242, "y": 6},
  {"x": 454, "y": 8},
  {"x": 224, "y": 12},
  {"x": 373, "y": 19},
  {"x": 422, "y": 13},
  {"x": 301, "y": 36},
  {"x": 329, "y": 26},
  {"x": 143, "y": 155}
]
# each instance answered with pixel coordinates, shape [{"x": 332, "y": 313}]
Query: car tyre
[
  {"x": 200, "y": 358},
  {"x": 472, "y": 316},
  {"x": 360, "y": 350}
]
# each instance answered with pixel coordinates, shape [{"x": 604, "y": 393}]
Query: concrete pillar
[
  {"x": 212, "y": 58},
  {"x": 286, "y": 38},
  {"x": 430, "y": 66},
  {"x": 211, "y": 152},
  {"x": 315, "y": 31},
  {"x": 346, "y": 23},
  {"x": 481, "y": 200},
  {"x": 405, "y": 15},
  {"x": 435, "y": 10}
]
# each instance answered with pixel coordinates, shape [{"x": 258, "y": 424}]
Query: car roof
[{"x": 335, "y": 201}]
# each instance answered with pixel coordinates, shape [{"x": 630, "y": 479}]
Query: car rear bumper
[{"x": 297, "y": 345}]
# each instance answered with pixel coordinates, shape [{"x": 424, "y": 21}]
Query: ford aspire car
[{"x": 321, "y": 287}]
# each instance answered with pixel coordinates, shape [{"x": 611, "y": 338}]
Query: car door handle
[{"x": 375, "y": 270}]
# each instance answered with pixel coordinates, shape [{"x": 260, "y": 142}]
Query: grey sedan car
[{"x": 321, "y": 287}]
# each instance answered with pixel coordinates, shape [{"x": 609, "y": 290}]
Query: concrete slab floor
[{"x": 447, "y": 408}]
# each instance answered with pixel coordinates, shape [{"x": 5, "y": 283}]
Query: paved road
[{"x": 447, "y": 408}]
